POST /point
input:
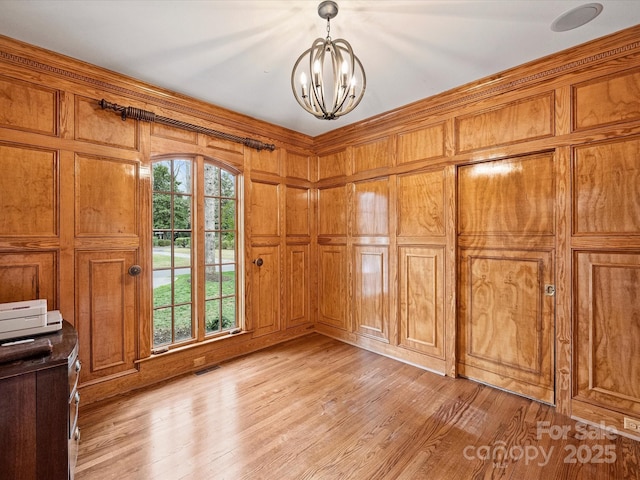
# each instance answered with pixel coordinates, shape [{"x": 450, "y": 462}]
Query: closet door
[
  {"x": 107, "y": 259},
  {"x": 506, "y": 274}
]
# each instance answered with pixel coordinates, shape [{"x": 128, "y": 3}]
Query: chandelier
[{"x": 328, "y": 80}]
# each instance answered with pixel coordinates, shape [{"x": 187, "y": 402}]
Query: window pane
[
  {"x": 228, "y": 280},
  {"x": 212, "y": 282},
  {"x": 211, "y": 180},
  {"x": 161, "y": 211},
  {"x": 182, "y": 321},
  {"x": 181, "y": 212},
  {"x": 211, "y": 242},
  {"x": 182, "y": 250},
  {"x": 228, "y": 221},
  {"x": 229, "y": 312},
  {"x": 212, "y": 316},
  {"x": 162, "y": 288},
  {"x": 182, "y": 285},
  {"x": 182, "y": 176},
  {"x": 162, "y": 176},
  {"x": 211, "y": 214},
  {"x": 228, "y": 247},
  {"x": 161, "y": 249},
  {"x": 161, "y": 326},
  {"x": 227, "y": 184}
]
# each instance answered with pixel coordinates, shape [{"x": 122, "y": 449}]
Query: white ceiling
[{"x": 239, "y": 54}]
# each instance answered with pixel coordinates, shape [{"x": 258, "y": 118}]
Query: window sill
[{"x": 190, "y": 346}]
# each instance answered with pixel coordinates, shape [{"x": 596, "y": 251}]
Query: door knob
[
  {"x": 258, "y": 261},
  {"x": 135, "y": 270}
]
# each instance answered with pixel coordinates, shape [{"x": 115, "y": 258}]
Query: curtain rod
[{"x": 146, "y": 116}]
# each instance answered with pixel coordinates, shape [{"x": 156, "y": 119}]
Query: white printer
[{"x": 23, "y": 319}]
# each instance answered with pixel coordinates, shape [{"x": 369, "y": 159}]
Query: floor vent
[{"x": 207, "y": 370}]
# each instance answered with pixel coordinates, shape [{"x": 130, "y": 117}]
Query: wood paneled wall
[
  {"x": 75, "y": 197},
  {"x": 446, "y": 222},
  {"x": 386, "y": 233}
]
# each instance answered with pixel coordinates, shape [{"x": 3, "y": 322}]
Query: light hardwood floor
[{"x": 316, "y": 408}]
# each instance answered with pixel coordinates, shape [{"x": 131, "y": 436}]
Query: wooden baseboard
[{"x": 166, "y": 366}]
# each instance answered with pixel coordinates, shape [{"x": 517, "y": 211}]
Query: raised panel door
[
  {"x": 507, "y": 197},
  {"x": 106, "y": 196},
  {"x": 265, "y": 289},
  {"x": 506, "y": 321},
  {"x": 107, "y": 314},
  {"x": 265, "y": 212}
]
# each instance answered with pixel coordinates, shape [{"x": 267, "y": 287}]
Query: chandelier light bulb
[{"x": 335, "y": 71}]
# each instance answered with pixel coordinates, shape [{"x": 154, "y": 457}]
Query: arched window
[{"x": 196, "y": 280}]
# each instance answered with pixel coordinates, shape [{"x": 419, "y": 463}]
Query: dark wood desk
[{"x": 38, "y": 412}]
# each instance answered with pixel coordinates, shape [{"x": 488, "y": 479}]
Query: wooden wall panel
[
  {"x": 333, "y": 285},
  {"x": 297, "y": 278},
  {"x": 421, "y": 297},
  {"x": 297, "y": 166},
  {"x": 107, "y": 316},
  {"x": 606, "y": 188},
  {"x": 29, "y": 195},
  {"x": 508, "y": 196},
  {"x": 265, "y": 213},
  {"x": 332, "y": 211},
  {"x": 615, "y": 98},
  {"x": 224, "y": 149},
  {"x": 421, "y": 204},
  {"x": 265, "y": 290},
  {"x": 28, "y": 106},
  {"x": 371, "y": 207},
  {"x": 372, "y": 155},
  {"x": 298, "y": 211},
  {"x": 29, "y": 276},
  {"x": 173, "y": 133},
  {"x": 506, "y": 324},
  {"x": 606, "y": 330},
  {"x": 95, "y": 125},
  {"x": 264, "y": 161},
  {"x": 99, "y": 211},
  {"x": 519, "y": 121},
  {"x": 371, "y": 291},
  {"x": 334, "y": 165},
  {"x": 423, "y": 144}
]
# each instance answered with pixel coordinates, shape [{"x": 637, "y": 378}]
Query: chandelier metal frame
[{"x": 328, "y": 57}]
